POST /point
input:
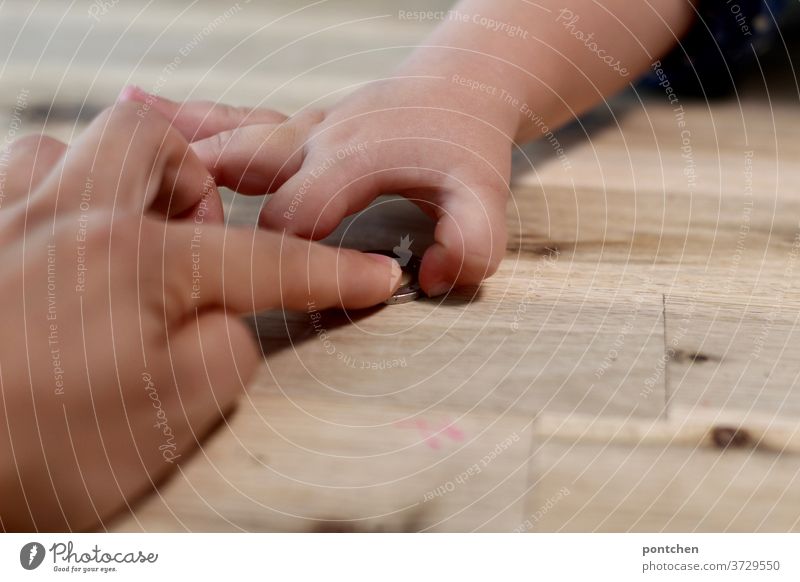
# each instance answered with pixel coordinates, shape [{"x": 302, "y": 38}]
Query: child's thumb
[{"x": 470, "y": 241}]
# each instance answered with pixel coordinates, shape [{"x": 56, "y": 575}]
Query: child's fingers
[
  {"x": 198, "y": 120},
  {"x": 470, "y": 241},
  {"x": 132, "y": 162},
  {"x": 253, "y": 270},
  {"x": 470, "y": 235},
  {"x": 29, "y": 160},
  {"x": 319, "y": 196},
  {"x": 255, "y": 159}
]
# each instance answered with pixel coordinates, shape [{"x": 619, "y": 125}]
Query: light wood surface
[{"x": 632, "y": 366}]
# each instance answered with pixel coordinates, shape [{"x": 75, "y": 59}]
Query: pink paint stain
[{"x": 431, "y": 433}]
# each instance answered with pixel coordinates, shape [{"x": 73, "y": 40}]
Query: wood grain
[{"x": 636, "y": 345}]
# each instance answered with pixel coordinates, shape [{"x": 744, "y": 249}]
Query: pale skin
[
  {"x": 441, "y": 143},
  {"x": 106, "y": 384},
  {"x": 72, "y": 457}
]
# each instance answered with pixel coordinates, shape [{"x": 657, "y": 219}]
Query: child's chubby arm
[
  {"x": 441, "y": 128},
  {"x": 121, "y": 342}
]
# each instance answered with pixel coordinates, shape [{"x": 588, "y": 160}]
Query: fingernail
[
  {"x": 397, "y": 272},
  {"x": 131, "y": 93},
  {"x": 439, "y": 289}
]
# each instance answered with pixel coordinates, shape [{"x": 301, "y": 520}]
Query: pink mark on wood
[{"x": 431, "y": 433}]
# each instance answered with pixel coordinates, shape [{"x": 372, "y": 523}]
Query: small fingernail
[
  {"x": 397, "y": 272},
  {"x": 439, "y": 289},
  {"x": 131, "y": 93}
]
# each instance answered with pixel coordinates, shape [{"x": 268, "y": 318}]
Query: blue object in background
[{"x": 726, "y": 37}]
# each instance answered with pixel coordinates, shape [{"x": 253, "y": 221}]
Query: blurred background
[{"x": 75, "y": 57}]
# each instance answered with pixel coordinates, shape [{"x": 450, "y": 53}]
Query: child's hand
[
  {"x": 444, "y": 146},
  {"x": 120, "y": 344},
  {"x": 440, "y": 129}
]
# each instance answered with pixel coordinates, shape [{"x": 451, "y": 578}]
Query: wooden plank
[
  {"x": 693, "y": 428},
  {"x": 527, "y": 340},
  {"x": 603, "y": 487},
  {"x": 291, "y": 464},
  {"x": 699, "y": 470},
  {"x": 740, "y": 357}
]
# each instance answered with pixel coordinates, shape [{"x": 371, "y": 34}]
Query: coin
[{"x": 409, "y": 289}]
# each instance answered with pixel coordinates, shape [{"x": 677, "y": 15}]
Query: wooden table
[{"x": 632, "y": 366}]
